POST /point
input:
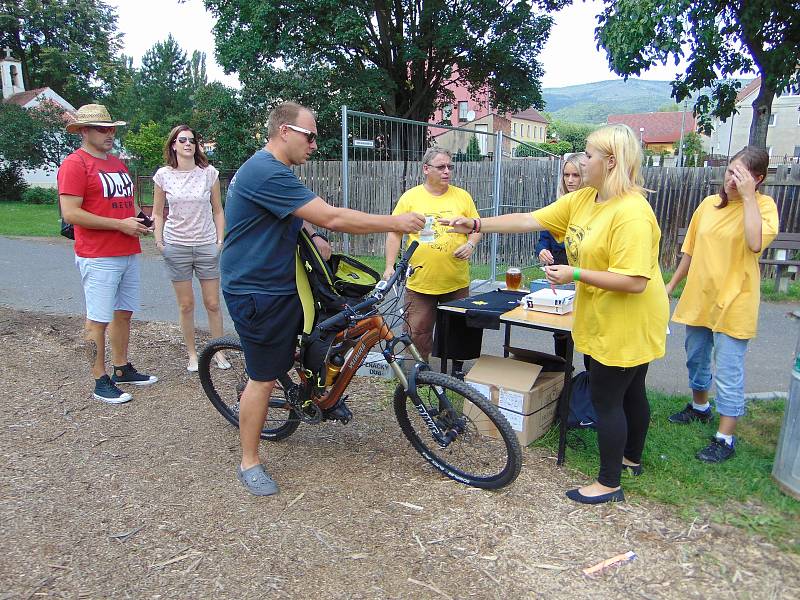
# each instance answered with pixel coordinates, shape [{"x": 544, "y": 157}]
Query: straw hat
[{"x": 92, "y": 114}]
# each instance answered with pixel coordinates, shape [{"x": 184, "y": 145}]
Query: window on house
[
  {"x": 772, "y": 120},
  {"x": 514, "y": 129},
  {"x": 462, "y": 110},
  {"x": 14, "y": 76},
  {"x": 447, "y": 112}
]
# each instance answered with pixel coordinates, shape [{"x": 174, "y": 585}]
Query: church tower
[{"x": 11, "y": 75}]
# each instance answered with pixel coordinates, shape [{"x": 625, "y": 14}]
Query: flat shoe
[
  {"x": 192, "y": 366},
  {"x": 615, "y": 496},
  {"x": 221, "y": 363},
  {"x": 257, "y": 481},
  {"x": 634, "y": 470}
]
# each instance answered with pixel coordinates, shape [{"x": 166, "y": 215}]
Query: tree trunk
[{"x": 762, "y": 108}]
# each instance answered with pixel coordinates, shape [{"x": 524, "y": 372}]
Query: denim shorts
[
  {"x": 268, "y": 327},
  {"x": 728, "y": 354},
  {"x": 182, "y": 261},
  {"x": 109, "y": 283}
]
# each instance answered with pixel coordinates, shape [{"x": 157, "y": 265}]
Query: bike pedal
[{"x": 338, "y": 412}]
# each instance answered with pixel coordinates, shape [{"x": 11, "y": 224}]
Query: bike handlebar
[{"x": 340, "y": 320}]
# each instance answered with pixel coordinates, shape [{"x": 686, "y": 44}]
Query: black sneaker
[
  {"x": 717, "y": 451},
  {"x": 105, "y": 390},
  {"x": 689, "y": 414},
  {"x": 129, "y": 374}
]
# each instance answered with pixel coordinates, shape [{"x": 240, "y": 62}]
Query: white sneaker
[{"x": 192, "y": 366}]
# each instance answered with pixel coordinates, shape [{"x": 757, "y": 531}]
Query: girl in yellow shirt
[
  {"x": 621, "y": 309},
  {"x": 719, "y": 305}
]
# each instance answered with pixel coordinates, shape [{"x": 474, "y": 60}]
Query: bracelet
[
  {"x": 476, "y": 225},
  {"x": 470, "y": 244},
  {"x": 576, "y": 274}
]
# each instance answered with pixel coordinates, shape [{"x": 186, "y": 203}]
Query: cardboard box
[
  {"x": 375, "y": 366},
  {"x": 527, "y": 397}
]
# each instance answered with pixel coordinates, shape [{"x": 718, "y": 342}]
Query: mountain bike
[{"x": 452, "y": 425}]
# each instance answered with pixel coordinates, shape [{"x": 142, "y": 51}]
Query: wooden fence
[{"x": 375, "y": 186}]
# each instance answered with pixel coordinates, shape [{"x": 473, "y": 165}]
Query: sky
[{"x": 569, "y": 57}]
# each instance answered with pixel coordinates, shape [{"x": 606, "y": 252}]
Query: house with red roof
[
  {"x": 783, "y": 133},
  {"x": 14, "y": 92},
  {"x": 658, "y": 131}
]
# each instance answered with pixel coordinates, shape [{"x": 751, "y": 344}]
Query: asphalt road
[{"x": 40, "y": 275}]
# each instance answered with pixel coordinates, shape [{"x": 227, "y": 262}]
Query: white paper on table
[{"x": 510, "y": 400}]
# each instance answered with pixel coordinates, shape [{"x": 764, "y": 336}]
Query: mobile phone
[{"x": 146, "y": 221}]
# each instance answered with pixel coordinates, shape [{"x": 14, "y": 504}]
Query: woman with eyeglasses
[
  {"x": 190, "y": 239},
  {"x": 621, "y": 309}
]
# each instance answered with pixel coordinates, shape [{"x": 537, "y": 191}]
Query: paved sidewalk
[{"x": 40, "y": 275}]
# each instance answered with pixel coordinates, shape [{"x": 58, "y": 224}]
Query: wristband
[{"x": 576, "y": 274}]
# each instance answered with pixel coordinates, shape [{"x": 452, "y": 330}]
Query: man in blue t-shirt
[{"x": 265, "y": 208}]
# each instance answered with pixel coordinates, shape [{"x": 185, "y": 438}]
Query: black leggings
[{"x": 623, "y": 416}]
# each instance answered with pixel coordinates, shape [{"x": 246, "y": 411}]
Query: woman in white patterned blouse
[{"x": 190, "y": 239}]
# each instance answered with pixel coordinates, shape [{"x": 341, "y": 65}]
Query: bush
[
  {"x": 40, "y": 195},
  {"x": 12, "y": 185}
]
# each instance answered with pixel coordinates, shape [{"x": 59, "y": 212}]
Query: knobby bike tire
[
  {"x": 474, "y": 457},
  {"x": 224, "y": 387}
]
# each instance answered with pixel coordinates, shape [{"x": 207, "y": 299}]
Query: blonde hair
[
  {"x": 620, "y": 142},
  {"x": 573, "y": 159}
]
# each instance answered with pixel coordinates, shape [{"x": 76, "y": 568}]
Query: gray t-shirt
[{"x": 260, "y": 230}]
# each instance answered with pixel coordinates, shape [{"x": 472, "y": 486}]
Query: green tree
[
  {"x": 197, "y": 70},
  {"x": 473, "y": 151},
  {"x": 164, "y": 84},
  {"x": 147, "y": 145},
  {"x": 70, "y": 46},
  {"x": 574, "y": 134},
  {"x": 400, "y": 56},
  {"x": 692, "y": 144},
  {"x": 725, "y": 38},
  {"x": 34, "y": 138},
  {"x": 223, "y": 119}
]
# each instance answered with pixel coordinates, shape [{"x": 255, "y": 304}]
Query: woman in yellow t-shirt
[
  {"x": 621, "y": 309},
  {"x": 719, "y": 305}
]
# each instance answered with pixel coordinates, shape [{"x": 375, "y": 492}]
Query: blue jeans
[{"x": 728, "y": 355}]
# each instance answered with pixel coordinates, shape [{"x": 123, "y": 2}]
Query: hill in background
[{"x": 591, "y": 103}]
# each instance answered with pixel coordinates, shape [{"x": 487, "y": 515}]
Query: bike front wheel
[
  {"x": 224, "y": 389},
  {"x": 456, "y": 429}
]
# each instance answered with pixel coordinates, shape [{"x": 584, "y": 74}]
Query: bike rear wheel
[
  {"x": 483, "y": 450},
  {"x": 224, "y": 387}
]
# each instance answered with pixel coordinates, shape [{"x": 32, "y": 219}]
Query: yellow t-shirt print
[{"x": 441, "y": 271}]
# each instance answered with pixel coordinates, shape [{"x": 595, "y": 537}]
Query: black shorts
[{"x": 268, "y": 327}]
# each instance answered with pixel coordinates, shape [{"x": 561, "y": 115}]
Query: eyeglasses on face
[
  {"x": 443, "y": 168},
  {"x": 183, "y": 139},
  {"x": 103, "y": 129},
  {"x": 310, "y": 135}
]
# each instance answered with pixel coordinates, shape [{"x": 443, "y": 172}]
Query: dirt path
[{"x": 140, "y": 500}]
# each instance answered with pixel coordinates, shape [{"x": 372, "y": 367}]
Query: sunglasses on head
[
  {"x": 310, "y": 135},
  {"x": 104, "y": 129},
  {"x": 183, "y": 139}
]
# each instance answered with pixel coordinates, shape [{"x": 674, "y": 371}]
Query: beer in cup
[{"x": 513, "y": 278}]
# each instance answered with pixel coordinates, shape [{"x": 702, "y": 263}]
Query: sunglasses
[
  {"x": 184, "y": 139},
  {"x": 102, "y": 129},
  {"x": 443, "y": 168},
  {"x": 310, "y": 135}
]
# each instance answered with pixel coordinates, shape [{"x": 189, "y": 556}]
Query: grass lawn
[
  {"x": 40, "y": 220},
  {"x": 739, "y": 492}
]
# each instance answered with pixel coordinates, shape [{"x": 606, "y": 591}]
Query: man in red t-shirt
[{"x": 96, "y": 195}]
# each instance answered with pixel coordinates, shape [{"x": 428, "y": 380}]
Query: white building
[
  {"x": 783, "y": 133},
  {"x": 14, "y": 92}
]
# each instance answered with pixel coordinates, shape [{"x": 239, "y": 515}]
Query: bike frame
[{"x": 364, "y": 336}]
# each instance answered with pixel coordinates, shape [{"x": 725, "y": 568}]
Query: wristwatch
[{"x": 316, "y": 234}]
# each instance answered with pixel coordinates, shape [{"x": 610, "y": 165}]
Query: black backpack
[
  {"x": 582, "y": 414},
  {"x": 325, "y": 288}
]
